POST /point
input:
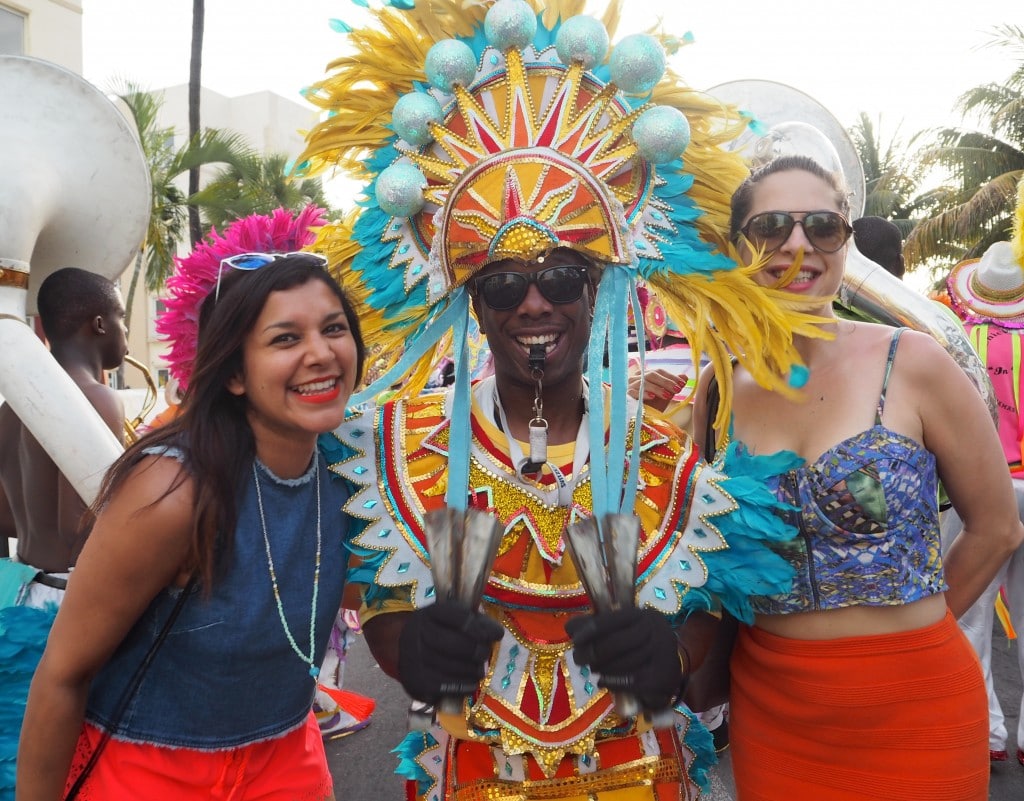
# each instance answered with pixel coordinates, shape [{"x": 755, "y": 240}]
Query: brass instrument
[
  {"x": 75, "y": 191},
  {"x": 131, "y": 426}
]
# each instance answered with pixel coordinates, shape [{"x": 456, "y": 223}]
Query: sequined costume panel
[
  {"x": 534, "y": 700},
  {"x": 538, "y": 716}
]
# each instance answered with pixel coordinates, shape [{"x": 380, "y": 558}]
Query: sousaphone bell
[{"x": 75, "y": 193}]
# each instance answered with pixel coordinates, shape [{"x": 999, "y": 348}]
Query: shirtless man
[{"x": 82, "y": 315}]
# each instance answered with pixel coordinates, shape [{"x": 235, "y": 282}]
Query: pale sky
[{"x": 906, "y": 60}]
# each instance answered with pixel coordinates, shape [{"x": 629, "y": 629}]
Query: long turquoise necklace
[{"x": 314, "y": 669}]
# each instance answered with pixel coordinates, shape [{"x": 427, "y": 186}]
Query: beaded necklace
[{"x": 314, "y": 669}]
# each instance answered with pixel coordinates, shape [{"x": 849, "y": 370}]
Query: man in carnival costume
[
  {"x": 338, "y": 711},
  {"x": 523, "y": 176}
]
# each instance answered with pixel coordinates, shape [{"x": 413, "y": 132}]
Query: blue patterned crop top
[{"x": 867, "y": 515}]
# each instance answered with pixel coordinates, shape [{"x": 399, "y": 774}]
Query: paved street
[{"x": 364, "y": 770}]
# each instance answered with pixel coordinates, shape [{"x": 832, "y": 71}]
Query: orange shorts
[{"x": 292, "y": 767}]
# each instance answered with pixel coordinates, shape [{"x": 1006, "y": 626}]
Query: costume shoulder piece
[{"x": 371, "y": 449}]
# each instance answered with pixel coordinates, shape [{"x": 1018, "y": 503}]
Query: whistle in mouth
[{"x": 537, "y": 355}]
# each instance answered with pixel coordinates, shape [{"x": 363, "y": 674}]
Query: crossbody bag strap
[{"x": 132, "y": 688}]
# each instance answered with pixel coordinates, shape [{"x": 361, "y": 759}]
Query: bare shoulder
[
  {"x": 916, "y": 353},
  {"x": 921, "y": 357},
  {"x": 156, "y": 479},
  {"x": 107, "y": 402},
  {"x": 872, "y": 338},
  {"x": 152, "y": 509}
]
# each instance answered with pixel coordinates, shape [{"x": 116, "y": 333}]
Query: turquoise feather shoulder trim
[
  {"x": 409, "y": 752},
  {"x": 749, "y": 566},
  {"x": 698, "y": 740}
]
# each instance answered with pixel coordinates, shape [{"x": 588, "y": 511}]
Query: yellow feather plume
[{"x": 755, "y": 324}]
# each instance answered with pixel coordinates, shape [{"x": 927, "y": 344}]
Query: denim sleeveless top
[
  {"x": 867, "y": 515},
  {"x": 226, "y": 675}
]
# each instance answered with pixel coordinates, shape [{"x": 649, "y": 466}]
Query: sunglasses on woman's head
[
  {"x": 253, "y": 261},
  {"x": 827, "y": 231},
  {"x": 561, "y": 284}
]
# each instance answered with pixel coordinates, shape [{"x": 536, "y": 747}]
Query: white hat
[{"x": 989, "y": 289}]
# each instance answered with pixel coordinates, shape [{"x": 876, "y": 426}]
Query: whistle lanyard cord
[{"x": 580, "y": 456}]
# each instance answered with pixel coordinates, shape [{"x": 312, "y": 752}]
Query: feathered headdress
[
  {"x": 514, "y": 132},
  {"x": 196, "y": 274}
]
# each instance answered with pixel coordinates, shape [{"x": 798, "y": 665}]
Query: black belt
[{"x": 47, "y": 580}]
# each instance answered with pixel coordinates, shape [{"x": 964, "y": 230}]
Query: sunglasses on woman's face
[
  {"x": 253, "y": 261},
  {"x": 561, "y": 284},
  {"x": 827, "y": 231}
]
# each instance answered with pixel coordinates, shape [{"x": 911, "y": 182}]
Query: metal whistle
[{"x": 538, "y": 353}]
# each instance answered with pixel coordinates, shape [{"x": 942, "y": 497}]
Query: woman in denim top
[
  {"x": 858, "y": 684},
  {"x": 232, "y": 498}
]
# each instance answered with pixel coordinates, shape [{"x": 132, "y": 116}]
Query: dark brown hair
[{"x": 212, "y": 429}]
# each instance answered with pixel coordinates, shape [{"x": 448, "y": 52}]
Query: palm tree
[
  {"x": 891, "y": 179},
  {"x": 195, "y": 83},
  {"x": 257, "y": 184},
  {"x": 167, "y": 164},
  {"x": 975, "y": 208}
]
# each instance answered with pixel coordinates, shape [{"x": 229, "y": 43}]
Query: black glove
[
  {"x": 633, "y": 650},
  {"x": 442, "y": 651}
]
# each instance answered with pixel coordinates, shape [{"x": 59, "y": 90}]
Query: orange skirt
[
  {"x": 896, "y": 716},
  {"x": 292, "y": 767}
]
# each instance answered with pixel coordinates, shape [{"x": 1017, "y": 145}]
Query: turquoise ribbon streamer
[
  {"x": 421, "y": 343},
  {"x": 610, "y": 330},
  {"x": 595, "y": 400},
  {"x": 633, "y": 475},
  {"x": 459, "y": 433}
]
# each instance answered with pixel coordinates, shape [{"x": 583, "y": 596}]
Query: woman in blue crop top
[
  {"x": 858, "y": 684},
  {"x": 230, "y": 508}
]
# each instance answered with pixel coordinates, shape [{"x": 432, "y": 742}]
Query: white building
[{"x": 49, "y": 29}]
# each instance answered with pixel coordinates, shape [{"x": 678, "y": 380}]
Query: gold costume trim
[{"x": 637, "y": 778}]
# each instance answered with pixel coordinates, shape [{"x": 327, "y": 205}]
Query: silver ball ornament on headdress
[
  {"x": 399, "y": 190},
  {"x": 582, "y": 39},
  {"x": 661, "y": 134},
  {"x": 510, "y": 24},
  {"x": 637, "y": 64},
  {"x": 412, "y": 117},
  {"x": 450, "y": 63}
]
